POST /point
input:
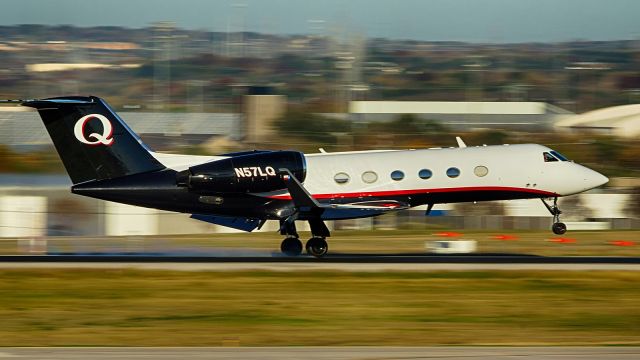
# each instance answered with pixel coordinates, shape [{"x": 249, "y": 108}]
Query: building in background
[
  {"x": 260, "y": 108},
  {"x": 465, "y": 115},
  {"x": 620, "y": 121}
]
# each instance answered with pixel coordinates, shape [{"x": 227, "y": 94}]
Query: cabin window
[
  {"x": 453, "y": 172},
  {"x": 481, "y": 171},
  {"x": 341, "y": 178},
  {"x": 369, "y": 177},
  {"x": 559, "y": 156},
  {"x": 425, "y": 174},
  {"x": 549, "y": 158},
  {"x": 397, "y": 175}
]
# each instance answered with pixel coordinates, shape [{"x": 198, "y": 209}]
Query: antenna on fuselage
[{"x": 461, "y": 143}]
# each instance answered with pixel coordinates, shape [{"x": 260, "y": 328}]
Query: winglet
[{"x": 461, "y": 143}]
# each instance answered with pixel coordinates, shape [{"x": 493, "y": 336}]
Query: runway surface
[
  {"x": 347, "y": 262},
  {"x": 416, "y": 258},
  {"x": 324, "y": 353}
]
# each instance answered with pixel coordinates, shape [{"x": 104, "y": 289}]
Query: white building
[
  {"x": 464, "y": 114},
  {"x": 622, "y": 121}
]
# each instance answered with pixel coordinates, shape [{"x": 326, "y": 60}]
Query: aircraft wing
[
  {"x": 360, "y": 209},
  {"x": 310, "y": 207}
]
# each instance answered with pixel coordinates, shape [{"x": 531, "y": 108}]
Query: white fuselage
[
  {"x": 507, "y": 166},
  {"x": 361, "y": 174}
]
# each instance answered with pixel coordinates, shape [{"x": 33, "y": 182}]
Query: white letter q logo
[{"x": 104, "y": 138}]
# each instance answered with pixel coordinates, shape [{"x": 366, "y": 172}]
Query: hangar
[
  {"x": 621, "y": 121},
  {"x": 465, "y": 115}
]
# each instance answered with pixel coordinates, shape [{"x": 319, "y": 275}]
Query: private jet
[{"x": 105, "y": 159}]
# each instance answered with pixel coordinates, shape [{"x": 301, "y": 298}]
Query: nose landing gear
[{"x": 558, "y": 227}]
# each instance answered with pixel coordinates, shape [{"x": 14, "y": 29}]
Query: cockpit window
[
  {"x": 549, "y": 158},
  {"x": 559, "y": 156}
]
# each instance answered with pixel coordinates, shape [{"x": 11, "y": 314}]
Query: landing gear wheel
[
  {"x": 559, "y": 228},
  {"x": 317, "y": 247},
  {"x": 291, "y": 246}
]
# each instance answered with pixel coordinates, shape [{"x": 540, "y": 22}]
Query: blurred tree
[
  {"x": 633, "y": 204},
  {"x": 289, "y": 63},
  {"x": 488, "y": 137},
  {"x": 630, "y": 156},
  {"x": 425, "y": 77},
  {"x": 481, "y": 208},
  {"x": 608, "y": 148},
  {"x": 6, "y": 159},
  {"x": 44, "y": 161},
  {"x": 404, "y": 124},
  {"x": 409, "y": 124},
  {"x": 628, "y": 81},
  {"x": 408, "y": 131},
  {"x": 65, "y": 216},
  {"x": 302, "y": 124},
  {"x": 573, "y": 209}
]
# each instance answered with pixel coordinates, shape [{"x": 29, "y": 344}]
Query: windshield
[
  {"x": 548, "y": 157},
  {"x": 559, "y": 156},
  {"x": 553, "y": 156}
]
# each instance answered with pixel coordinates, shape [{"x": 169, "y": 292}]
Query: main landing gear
[
  {"x": 558, "y": 227},
  {"x": 308, "y": 208},
  {"x": 317, "y": 246},
  {"x": 292, "y": 246}
]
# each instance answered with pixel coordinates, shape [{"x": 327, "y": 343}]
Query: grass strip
[{"x": 74, "y": 307}]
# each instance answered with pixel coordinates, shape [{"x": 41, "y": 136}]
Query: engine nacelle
[{"x": 249, "y": 173}]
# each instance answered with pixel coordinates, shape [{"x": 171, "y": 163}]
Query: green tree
[{"x": 301, "y": 124}]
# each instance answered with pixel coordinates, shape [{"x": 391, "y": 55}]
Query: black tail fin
[{"x": 91, "y": 139}]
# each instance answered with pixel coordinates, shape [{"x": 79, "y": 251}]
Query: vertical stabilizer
[{"x": 93, "y": 142}]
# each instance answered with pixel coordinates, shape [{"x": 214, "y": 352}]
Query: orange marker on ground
[
  {"x": 448, "y": 234},
  {"x": 505, "y": 237},
  {"x": 622, "y": 243},
  {"x": 562, "y": 240}
]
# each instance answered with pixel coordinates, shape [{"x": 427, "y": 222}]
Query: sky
[{"x": 493, "y": 21}]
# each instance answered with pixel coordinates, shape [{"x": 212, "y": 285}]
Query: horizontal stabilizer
[
  {"x": 15, "y": 101},
  {"x": 240, "y": 223}
]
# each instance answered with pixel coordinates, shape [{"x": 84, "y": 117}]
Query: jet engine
[{"x": 246, "y": 173}]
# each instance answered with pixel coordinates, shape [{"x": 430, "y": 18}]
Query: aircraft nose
[
  {"x": 580, "y": 178},
  {"x": 594, "y": 179}
]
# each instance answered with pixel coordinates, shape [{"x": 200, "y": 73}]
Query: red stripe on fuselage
[{"x": 386, "y": 193}]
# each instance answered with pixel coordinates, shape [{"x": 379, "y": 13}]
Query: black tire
[
  {"x": 291, "y": 246},
  {"x": 559, "y": 228},
  {"x": 317, "y": 247}
]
